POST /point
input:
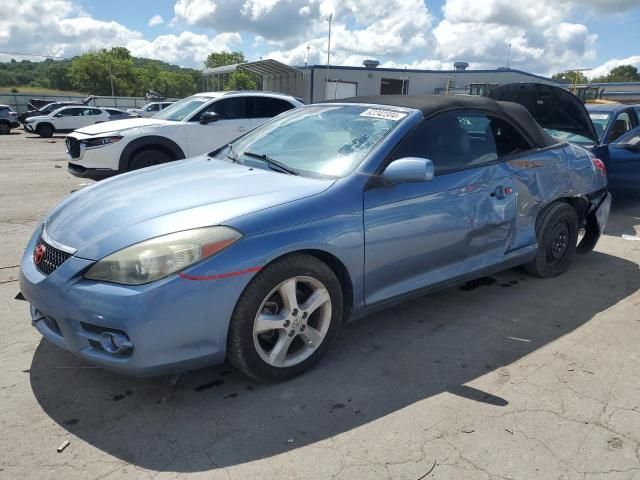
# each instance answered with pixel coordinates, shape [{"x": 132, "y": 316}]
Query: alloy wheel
[{"x": 292, "y": 321}]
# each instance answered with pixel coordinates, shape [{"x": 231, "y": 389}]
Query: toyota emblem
[{"x": 38, "y": 253}]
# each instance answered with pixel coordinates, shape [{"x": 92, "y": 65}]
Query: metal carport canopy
[{"x": 272, "y": 70}]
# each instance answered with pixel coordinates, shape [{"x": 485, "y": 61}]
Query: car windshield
[
  {"x": 51, "y": 107},
  {"x": 324, "y": 141},
  {"x": 600, "y": 121},
  {"x": 180, "y": 110},
  {"x": 569, "y": 137}
]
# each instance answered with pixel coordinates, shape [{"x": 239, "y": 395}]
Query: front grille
[
  {"x": 51, "y": 259},
  {"x": 73, "y": 147}
]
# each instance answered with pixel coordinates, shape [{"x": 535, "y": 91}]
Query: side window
[
  {"x": 451, "y": 141},
  {"x": 228, "y": 108},
  {"x": 506, "y": 138},
  {"x": 153, "y": 108},
  {"x": 71, "y": 112},
  {"x": 267, "y": 107},
  {"x": 93, "y": 111},
  {"x": 621, "y": 125}
]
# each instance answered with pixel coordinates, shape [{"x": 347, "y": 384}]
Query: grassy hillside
[{"x": 39, "y": 91}]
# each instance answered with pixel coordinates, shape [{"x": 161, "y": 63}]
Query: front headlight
[
  {"x": 159, "y": 257},
  {"x": 100, "y": 141}
]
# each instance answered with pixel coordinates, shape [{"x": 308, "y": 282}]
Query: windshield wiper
[
  {"x": 233, "y": 156},
  {"x": 275, "y": 164}
]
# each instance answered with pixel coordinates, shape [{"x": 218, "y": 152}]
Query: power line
[{"x": 34, "y": 55}]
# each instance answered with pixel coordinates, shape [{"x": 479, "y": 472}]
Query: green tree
[
  {"x": 570, "y": 76},
  {"x": 622, "y": 73},
  {"x": 93, "y": 72},
  {"x": 237, "y": 80},
  {"x": 220, "y": 59}
]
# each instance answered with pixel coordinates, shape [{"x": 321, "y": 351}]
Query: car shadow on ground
[
  {"x": 54, "y": 137},
  {"x": 625, "y": 213},
  {"x": 380, "y": 364}
]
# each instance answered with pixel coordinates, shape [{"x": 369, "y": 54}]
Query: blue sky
[{"x": 546, "y": 35}]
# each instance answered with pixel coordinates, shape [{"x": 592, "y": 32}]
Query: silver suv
[{"x": 8, "y": 119}]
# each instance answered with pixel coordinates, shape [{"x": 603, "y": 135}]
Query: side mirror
[
  {"x": 409, "y": 170},
  {"x": 58, "y": 115},
  {"x": 209, "y": 117}
]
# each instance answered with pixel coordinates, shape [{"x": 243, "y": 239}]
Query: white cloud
[
  {"x": 542, "y": 38},
  {"x": 155, "y": 20},
  {"x": 57, "y": 28},
  {"x": 606, "y": 67},
  {"x": 185, "y": 49},
  {"x": 60, "y": 28},
  {"x": 545, "y": 35}
]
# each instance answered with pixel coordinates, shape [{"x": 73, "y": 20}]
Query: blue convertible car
[{"x": 260, "y": 250}]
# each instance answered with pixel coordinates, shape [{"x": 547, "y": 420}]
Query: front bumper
[
  {"x": 29, "y": 127},
  {"x": 595, "y": 220},
  {"x": 173, "y": 324},
  {"x": 91, "y": 173}
]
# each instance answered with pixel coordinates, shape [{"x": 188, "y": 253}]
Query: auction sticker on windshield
[{"x": 385, "y": 114}]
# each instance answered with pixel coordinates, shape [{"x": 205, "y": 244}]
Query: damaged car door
[{"x": 422, "y": 233}]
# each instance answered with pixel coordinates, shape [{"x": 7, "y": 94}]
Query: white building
[{"x": 316, "y": 83}]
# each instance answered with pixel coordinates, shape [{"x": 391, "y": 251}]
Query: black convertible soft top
[{"x": 431, "y": 104}]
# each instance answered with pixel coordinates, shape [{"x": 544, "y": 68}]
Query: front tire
[
  {"x": 557, "y": 233},
  {"x": 45, "y": 131},
  {"x": 148, "y": 158},
  {"x": 285, "y": 319}
]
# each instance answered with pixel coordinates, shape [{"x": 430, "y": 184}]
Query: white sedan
[{"x": 65, "y": 120}]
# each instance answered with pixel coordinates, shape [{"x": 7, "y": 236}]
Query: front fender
[{"x": 148, "y": 141}]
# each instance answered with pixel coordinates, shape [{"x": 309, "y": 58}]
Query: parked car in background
[
  {"x": 116, "y": 114},
  {"x": 8, "y": 119},
  {"x": 612, "y": 121},
  {"x": 259, "y": 251},
  {"x": 149, "y": 110},
  {"x": 607, "y": 130},
  {"x": 190, "y": 127},
  {"x": 50, "y": 107},
  {"x": 66, "y": 119},
  {"x": 622, "y": 159}
]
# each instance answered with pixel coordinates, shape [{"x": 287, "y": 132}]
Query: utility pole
[
  {"x": 111, "y": 79},
  {"x": 329, "y": 48},
  {"x": 509, "y": 55}
]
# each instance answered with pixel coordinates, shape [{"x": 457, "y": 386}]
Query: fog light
[{"x": 115, "y": 342}]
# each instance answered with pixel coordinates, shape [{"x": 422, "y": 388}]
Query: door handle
[{"x": 501, "y": 192}]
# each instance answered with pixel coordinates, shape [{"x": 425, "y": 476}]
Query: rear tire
[
  {"x": 148, "y": 158},
  {"x": 45, "y": 131},
  {"x": 557, "y": 233},
  {"x": 267, "y": 321},
  {"x": 5, "y": 128}
]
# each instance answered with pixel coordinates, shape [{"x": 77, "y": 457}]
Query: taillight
[{"x": 599, "y": 165}]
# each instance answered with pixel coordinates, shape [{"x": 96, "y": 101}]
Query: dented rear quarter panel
[{"x": 563, "y": 171}]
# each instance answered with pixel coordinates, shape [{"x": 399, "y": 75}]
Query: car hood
[
  {"x": 122, "y": 125},
  {"x": 118, "y": 212},
  {"x": 37, "y": 118},
  {"x": 553, "y": 107}
]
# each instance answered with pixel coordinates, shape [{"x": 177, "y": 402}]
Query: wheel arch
[
  {"x": 149, "y": 142},
  {"x": 336, "y": 265},
  {"x": 579, "y": 204},
  {"x": 42, "y": 124}
]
